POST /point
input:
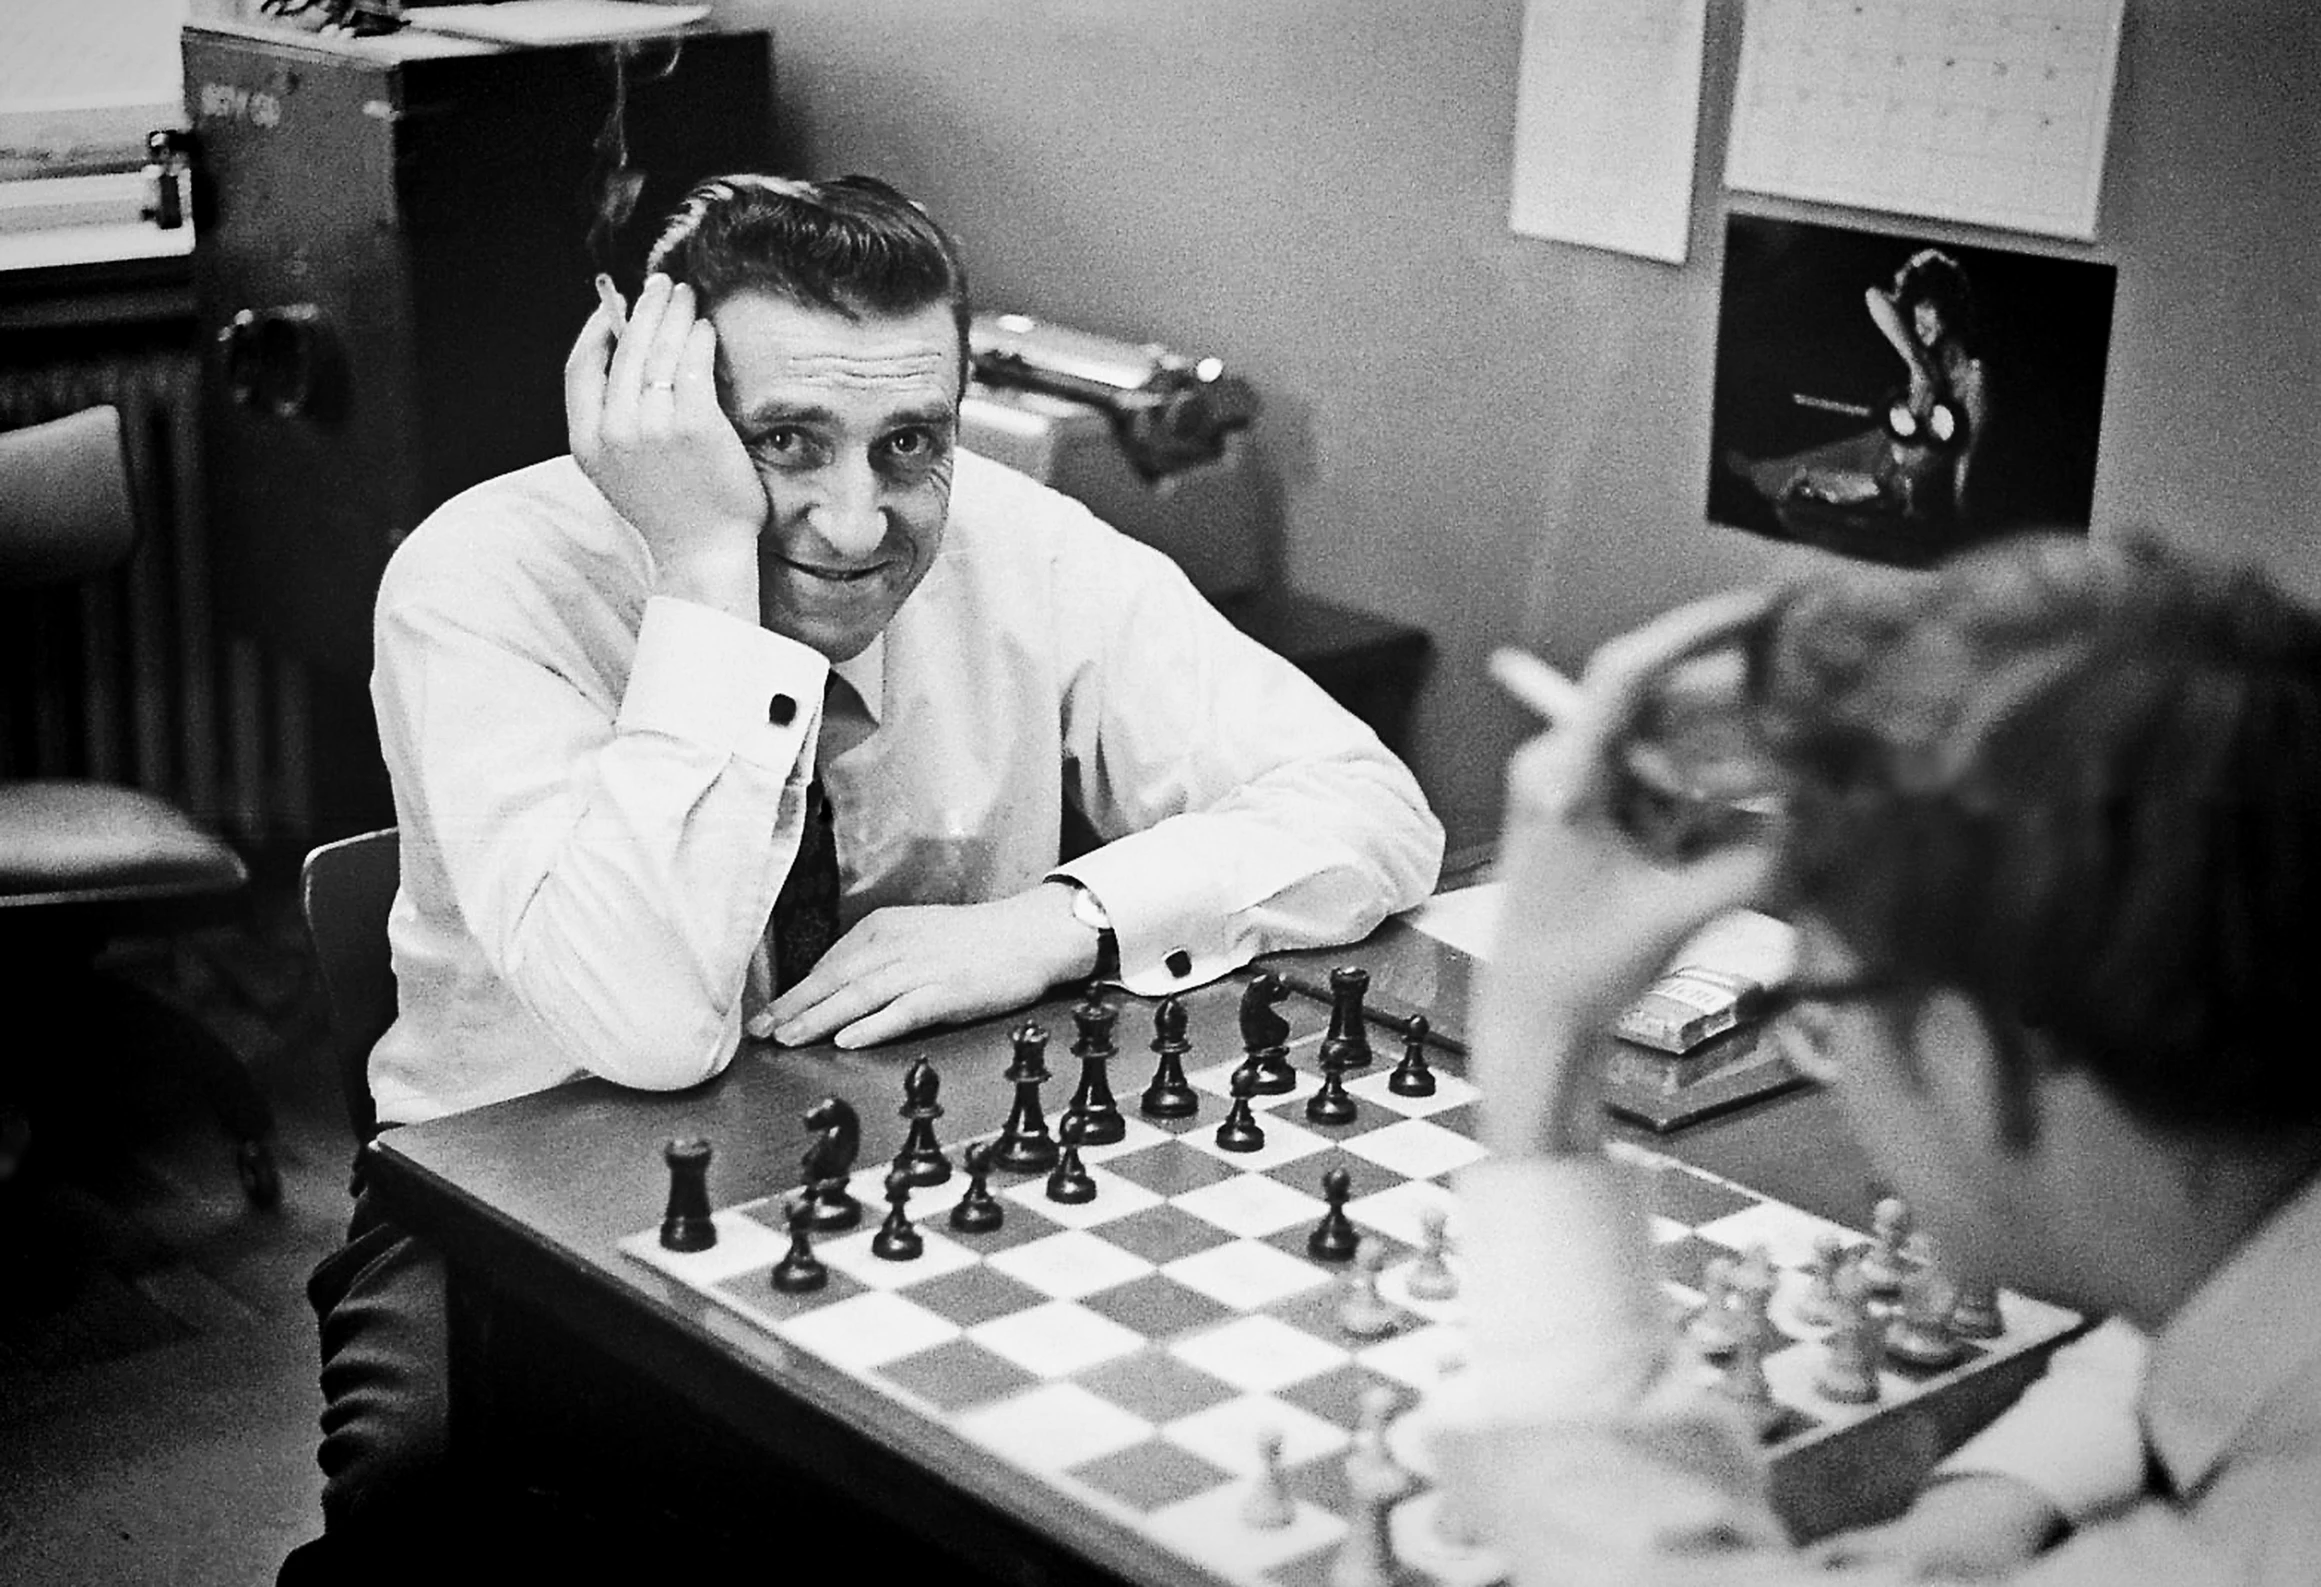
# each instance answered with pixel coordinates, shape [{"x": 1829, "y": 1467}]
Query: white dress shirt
[
  {"x": 598, "y": 807},
  {"x": 1590, "y": 1460}
]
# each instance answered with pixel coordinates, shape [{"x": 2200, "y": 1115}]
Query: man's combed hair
[
  {"x": 2081, "y": 784},
  {"x": 851, "y": 245}
]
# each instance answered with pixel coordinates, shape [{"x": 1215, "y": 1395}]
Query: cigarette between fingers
[
  {"x": 610, "y": 296},
  {"x": 1538, "y": 687}
]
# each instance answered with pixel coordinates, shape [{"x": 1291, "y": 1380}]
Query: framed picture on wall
[{"x": 1896, "y": 398}]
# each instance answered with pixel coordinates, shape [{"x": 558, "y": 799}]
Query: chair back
[
  {"x": 345, "y": 891},
  {"x": 65, "y": 509}
]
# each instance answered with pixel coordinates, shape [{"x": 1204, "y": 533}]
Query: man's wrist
[{"x": 712, "y": 574}]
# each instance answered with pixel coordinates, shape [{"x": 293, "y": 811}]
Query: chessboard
[{"x": 1172, "y": 1353}]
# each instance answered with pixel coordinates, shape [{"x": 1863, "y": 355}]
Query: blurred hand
[
  {"x": 1587, "y": 915},
  {"x": 921, "y": 964},
  {"x": 1959, "y": 1529},
  {"x": 641, "y": 410}
]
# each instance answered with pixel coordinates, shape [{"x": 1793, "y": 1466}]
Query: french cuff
[
  {"x": 1562, "y": 1306},
  {"x": 708, "y": 678},
  {"x": 1165, "y": 944}
]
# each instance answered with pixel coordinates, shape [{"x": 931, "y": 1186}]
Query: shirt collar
[{"x": 2234, "y": 1347}]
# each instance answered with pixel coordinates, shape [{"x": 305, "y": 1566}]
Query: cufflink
[
  {"x": 1179, "y": 963},
  {"x": 781, "y": 710}
]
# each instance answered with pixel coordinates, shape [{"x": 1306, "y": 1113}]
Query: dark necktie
[{"x": 805, "y": 921}]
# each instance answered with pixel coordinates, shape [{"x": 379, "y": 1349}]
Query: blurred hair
[
  {"x": 1932, "y": 276},
  {"x": 2081, "y": 784},
  {"x": 851, "y": 246}
]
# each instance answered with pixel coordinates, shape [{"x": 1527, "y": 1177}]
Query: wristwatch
[{"x": 1090, "y": 913}]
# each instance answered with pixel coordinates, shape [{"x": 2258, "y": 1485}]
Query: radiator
[{"x": 127, "y": 678}]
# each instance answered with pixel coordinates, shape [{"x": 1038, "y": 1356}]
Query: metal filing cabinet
[{"x": 395, "y": 243}]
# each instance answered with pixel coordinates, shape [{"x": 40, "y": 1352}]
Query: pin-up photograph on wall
[{"x": 1897, "y": 398}]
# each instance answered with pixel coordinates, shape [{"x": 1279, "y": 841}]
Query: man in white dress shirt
[
  {"x": 2053, "y": 847},
  {"x": 765, "y": 611}
]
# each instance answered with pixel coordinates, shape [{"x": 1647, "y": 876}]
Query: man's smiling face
[{"x": 851, "y": 425}]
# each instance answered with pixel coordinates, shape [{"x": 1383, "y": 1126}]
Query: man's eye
[
  {"x": 780, "y": 442},
  {"x": 910, "y": 444}
]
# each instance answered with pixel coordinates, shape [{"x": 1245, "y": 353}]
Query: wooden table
[{"x": 527, "y": 1200}]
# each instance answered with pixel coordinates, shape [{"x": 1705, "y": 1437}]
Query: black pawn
[
  {"x": 1349, "y": 1035},
  {"x": 1335, "y": 1238},
  {"x": 800, "y": 1272},
  {"x": 1025, "y": 1146},
  {"x": 1170, "y": 1096},
  {"x": 1240, "y": 1132},
  {"x": 1100, "y": 1120},
  {"x": 1071, "y": 1183},
  {"x": 979, "y": 1211},
  {"x": 921, "y": 1158},
  {"x": 1411, "y": 1077},
  {"x": 686, "y": 1225},
  {"x": 896, "y": 1240},
  {"x": 1332, "y": 1104},
  {"x": 1265, "y": 1036}
]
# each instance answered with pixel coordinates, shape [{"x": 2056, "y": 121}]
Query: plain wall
[{"x": 1503, "y": 439}]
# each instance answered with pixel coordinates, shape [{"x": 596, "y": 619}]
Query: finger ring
[{"x": 660, "y": 385}]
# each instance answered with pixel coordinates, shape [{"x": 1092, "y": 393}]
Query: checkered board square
[{"x": 1134, "y": 1352}]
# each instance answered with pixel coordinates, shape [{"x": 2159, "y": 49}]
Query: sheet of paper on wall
[
  {"x": 1993, "y": 112},
  {"x": 1607, "y": 119}
]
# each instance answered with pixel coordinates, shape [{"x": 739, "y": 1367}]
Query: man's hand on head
[
  {"x": 923, "y": 964},
  {"x": 1587, "y": 914},
  {"x": 641, "y": 409}
]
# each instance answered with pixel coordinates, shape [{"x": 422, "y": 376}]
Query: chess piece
[
  {"x": 1363, "y": 1312},
  {"x": 921, "y": 1158},
  {"x": 686, "y": 1225},
  {"x": 1712, "y": 1329},
  {"x": 1976, "y": 1313},
  {"x": 1240, "y": 1131},
  {"x": 1852, "y": 1347},
  {"x": 1100, "y": 1120},
  {"x": 1071, "y": 1183},
  {"x": 1375, "y": 1483},
  {"x": 1919, "y": 1331},
  {"x": 1265, "y": 1035},
  {"x": 978, "y": 1211},
  {"x": 1430, "y": 1276},
  {"x": 1025, "y": 1146},
  {"x": 1817, "y": 1306},
  {"x": 1332, "y": 1104},
  {"x": 829, "y": 1163},
  {"x": 1886, "y": 1264},
  {"x": 1743, "y": 1383},
  {"x": 1334, "y": 1238},
  {"x": 800, "y": 1271},
  {"x": 1170, "y": 1096},
  {"x": 896, "y": 1240},
  {"x": 1268, "y": 1506},
  {"x": 1749, "y": 1288},
  {"x": 1412, "y": 1077},
  {"x": 1349, "y": 1033}
]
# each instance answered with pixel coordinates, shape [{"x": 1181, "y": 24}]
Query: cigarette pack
[{"x": 1684, "y": 1008}]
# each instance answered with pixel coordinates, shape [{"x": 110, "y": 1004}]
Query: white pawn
[
  {"x": 1885, "y": 1264},
  {"x": 1431, "y": 1277},
  {"x": 1377, "y": 1483},
  {"x": 1365, "y": 1313},
  {"x": 1852, "y": 1348},
  {"x": 1711, "y": 1327},
  {"x": 1269, "y": 1506},
  {"x": 1817, "y": 1308}
]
